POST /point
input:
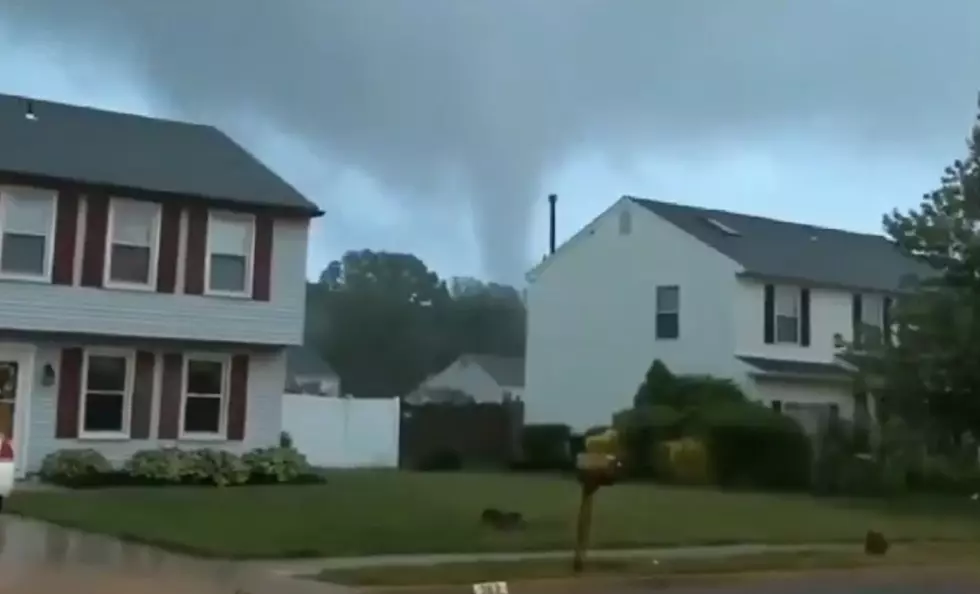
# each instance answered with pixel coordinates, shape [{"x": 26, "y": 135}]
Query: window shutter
[
  {"x": 171, "y": 389},
  {"x": 69, "y": 391},
  {"x": 856, "y": 319},
  {"x": 96, "y": 230},
  {"x": 142, "y": 395},
  {"x": 197, "y": 247},
  {"x": 238, "y": 398},
  {"x": 65, "y": 232},
  {"x": 769, "y": 315},
  {"x": 262, "y": 267},
  {"x": 169, "y": 247},
  {"x": 886, "y": 321},
  {"x": 805, "y": 317}
]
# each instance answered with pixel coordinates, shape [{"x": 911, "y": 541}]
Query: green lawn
[{"x": 363, "y": 513}]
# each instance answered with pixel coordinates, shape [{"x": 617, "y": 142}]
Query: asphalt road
[{"x": 906, "y": 582}]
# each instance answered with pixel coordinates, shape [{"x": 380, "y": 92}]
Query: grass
[
  {"x": 388, "y": 512},
  {"x": 644, "y": 567}
]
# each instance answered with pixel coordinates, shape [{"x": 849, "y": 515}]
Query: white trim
[
  {"x": 232, "y": 217},
  {"x": 45, "y": 276},
  {"x": 222, "y": 433},
  {"x": 130, "y": 356},
  {"x": 25, "y": 356},
  {"x": 151, "y": 284}
]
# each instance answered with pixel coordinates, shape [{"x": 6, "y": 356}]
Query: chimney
[{"x": 552, "y": 200}]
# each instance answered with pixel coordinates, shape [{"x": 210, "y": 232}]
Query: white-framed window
[
  {"x": 872, "y": 319},
  {"x": 231, "y": 243},
  {"x": 204, "y": 406},
  {"x": 787, "y": 314},
  {"x": 668, "y": 312},
  {"x": 106, "y": 398},
  {"x": 132, "y": 244},
  {"x": 27, "y": 217}
]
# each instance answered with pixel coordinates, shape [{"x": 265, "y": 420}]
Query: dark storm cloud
[{"x": 492, "y": 93}]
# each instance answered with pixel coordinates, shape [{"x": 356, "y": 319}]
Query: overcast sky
[{"x": 438, "y": 126}]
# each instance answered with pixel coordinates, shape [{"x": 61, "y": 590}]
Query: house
[
  {"x": 308, "y": 373},
  {"x": 480, "y": 378},
  {"x": 152, "y": 274},
  {"x": 763, "y": 302}
]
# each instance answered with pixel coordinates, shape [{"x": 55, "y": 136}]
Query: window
[
  {"x": 134, "y": 229},
  {"x": 625, "y": 222},
  {"x": 668, "y": 311},
  {"x": 27, "y": 219},
  {"x": 230, "y": 238},
  {"x": 777, "y": 405},
  {"x": 872, "y": 319},
  {"x": 787, "y": 307},
  {"x": 105, "y": 394},
  {"x": 205, "y": 390}
]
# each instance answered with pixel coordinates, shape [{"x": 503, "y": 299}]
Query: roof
[
  {"x": 304, "y": 360},
  {"x": 787, "y": 367},
  {"x": 506, "y": 371},
  {"x": 126, "y": 151},
  {"x": 780, "y": 249}
]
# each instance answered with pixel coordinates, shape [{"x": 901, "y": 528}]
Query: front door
[{"x": 9, "y": 371}]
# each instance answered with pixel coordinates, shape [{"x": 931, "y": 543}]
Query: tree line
[{"x": 385, "y": 321}]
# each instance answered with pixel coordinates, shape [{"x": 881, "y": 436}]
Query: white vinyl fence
[{"x": 343, "y": 432}]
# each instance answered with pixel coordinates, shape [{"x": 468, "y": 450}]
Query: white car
[{"x": 6, "y": 468}]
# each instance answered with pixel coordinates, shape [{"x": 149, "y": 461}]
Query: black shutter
[
  {"x": 886, "y": 321},
  {"x": 769, "y": 315},
  {"x": 856, "y": 319},
  {"x": 805, "y": 317}
]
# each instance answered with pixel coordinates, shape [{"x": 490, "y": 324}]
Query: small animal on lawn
[
  {"x": 875, "y": 543},
  {"x": 502, "y": 520}
]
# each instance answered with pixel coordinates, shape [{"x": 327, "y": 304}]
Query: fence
[
  {"x": 343, "y": 432},
  {"x": 481, "y": 434}
]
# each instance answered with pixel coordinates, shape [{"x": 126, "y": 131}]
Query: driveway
[{"x": 38, "y": 558}]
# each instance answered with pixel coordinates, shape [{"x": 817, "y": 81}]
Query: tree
[{"x": 930, "y": 374}]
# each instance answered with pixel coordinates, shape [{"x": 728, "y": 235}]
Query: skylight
[{"x": 722, "y": 227}]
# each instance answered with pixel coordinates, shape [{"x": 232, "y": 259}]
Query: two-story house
[
  {"x": 763, "y": 302},
  {"x": 152, "y": 274}
]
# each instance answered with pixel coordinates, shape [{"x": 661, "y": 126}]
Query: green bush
[
  {"x": 217, "y": 467},
  {"x": 278, "y": 464},
  {"x": 169, "y": 465},
  {"x": 643, "y": 429},
  {"x": 755, "y": 447},
  {"x": 74, "y": 466},
  {"x": 546, "y": 446}
]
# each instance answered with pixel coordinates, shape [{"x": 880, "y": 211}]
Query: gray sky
[{"x": 438, "y": 126}]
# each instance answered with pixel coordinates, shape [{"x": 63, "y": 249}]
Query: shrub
[
  {"x": 166, "y": 465},
  {"x": 685, "y": 461},
  {"x": 279, "y": 464},
  {"x": 74, "y": 466},
  {"x": 545, "y": 447},
  {"x": 217, "y": 467},
  {"x": 440, "y": 460},
  {"x": 642, "y": 430},
  {"x": 752, "y": 446}
]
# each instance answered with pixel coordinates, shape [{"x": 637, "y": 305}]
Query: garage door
[{"x": 809, "y": 403}]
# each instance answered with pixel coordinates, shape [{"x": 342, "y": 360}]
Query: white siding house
[{"x": 707, "y": 292}]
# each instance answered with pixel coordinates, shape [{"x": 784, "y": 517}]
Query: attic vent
[{"x": 722, "y": 227}]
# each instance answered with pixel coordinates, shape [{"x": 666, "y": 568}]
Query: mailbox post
[{"x": 595, "y": 469}]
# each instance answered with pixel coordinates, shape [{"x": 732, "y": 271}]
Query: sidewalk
[{"x": 313, "y": 566}]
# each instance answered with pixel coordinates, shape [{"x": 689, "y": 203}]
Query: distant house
[
  {"x": 308, "y": 373},
  {"x": 475, "y": 378}
]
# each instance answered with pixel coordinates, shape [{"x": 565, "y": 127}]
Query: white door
[{"x": 16, "y": 371}]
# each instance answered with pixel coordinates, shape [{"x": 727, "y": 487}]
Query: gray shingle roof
[
  {"x": 779, "y": 249},
  {"x": 506, "y": 371},
  {"x": 303, "y": 360},
  {"x": 128, "y": 151}
]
